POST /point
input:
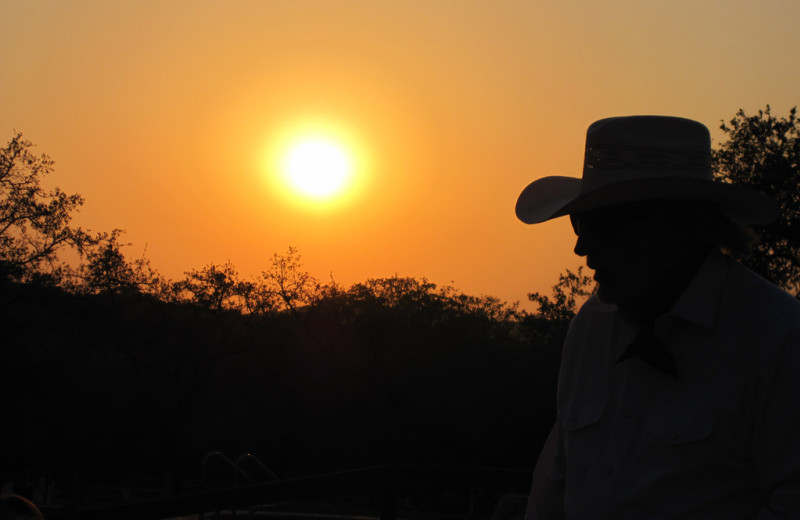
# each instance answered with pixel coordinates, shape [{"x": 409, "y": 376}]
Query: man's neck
[{"x": 663, "y": 296}]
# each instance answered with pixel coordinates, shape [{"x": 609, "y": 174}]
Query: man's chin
[{"x": 608, "y": 293}]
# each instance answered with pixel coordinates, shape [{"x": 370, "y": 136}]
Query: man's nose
[{"x": 582, "y": 246}]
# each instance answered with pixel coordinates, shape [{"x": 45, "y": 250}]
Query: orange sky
[{"x": 162, "y": 113}]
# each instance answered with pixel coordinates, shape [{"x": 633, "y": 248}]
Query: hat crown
[
  {"x": 640, "y": 158},
  {"x": 663, "y": 131},
  {"x": 634, "y": 147}
]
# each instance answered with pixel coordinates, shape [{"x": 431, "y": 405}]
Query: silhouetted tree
[
  {"x": 284, "y": 285},
  {"x": 571, "y": 289},
  {"x": 547, "y": 326},
  {"x": 214, "y": 287},
  {"x": 34, "y": 222},
  {"x": 763, "y": 152},
  {"x": 106, "y": 270},
  {"x": 288, "y": 282}
]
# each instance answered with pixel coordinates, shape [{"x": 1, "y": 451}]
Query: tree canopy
[
  {"x": 762, "y": 151},
  {"x": 35, "y": 223}
]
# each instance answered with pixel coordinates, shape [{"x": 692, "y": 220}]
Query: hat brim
[{"x": 551, "y": 197}]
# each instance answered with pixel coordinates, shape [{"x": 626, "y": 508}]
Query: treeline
[
  {"x": 389, "y": 370},
  {"x": 112, "y": 368}
]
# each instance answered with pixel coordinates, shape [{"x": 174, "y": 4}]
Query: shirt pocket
[
  {"x": 680, "y": 445},
  {"x": 581, "y": 426},
  {"x": 678, "y": 427}
]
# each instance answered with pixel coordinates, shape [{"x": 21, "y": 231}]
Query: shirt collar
[{"x": 698, "y": 303}]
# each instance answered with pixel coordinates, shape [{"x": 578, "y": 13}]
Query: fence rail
[{"x": 386, "y": 480}]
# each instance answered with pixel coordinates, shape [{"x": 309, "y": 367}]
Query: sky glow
[{"x": 171, "y": 119}]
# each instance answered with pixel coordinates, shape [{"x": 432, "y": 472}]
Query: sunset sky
[{"x": 173, "y": 119}]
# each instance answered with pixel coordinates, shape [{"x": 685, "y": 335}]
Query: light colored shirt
[{"x": 720, "y": 442}]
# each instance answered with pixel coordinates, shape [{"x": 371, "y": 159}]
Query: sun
[{"x": 317, "y": 167}]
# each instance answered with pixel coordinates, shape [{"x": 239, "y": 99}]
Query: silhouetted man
[{"x": 679, "y": 390}]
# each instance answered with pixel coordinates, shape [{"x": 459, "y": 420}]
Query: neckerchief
[{"x": 647, "y": 347}]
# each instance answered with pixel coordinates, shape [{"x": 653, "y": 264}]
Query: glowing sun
[{"x": 317, "y": 167}]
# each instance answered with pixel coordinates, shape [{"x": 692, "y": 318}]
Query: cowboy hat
[{"x": 639, "y": 158}]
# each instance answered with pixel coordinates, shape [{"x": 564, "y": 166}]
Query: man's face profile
[{"x": 631, "y": 248}]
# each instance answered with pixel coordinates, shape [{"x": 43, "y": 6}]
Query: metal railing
[
  {"x": 386, "y": 480},
  {"x": 250, "y": 460}
]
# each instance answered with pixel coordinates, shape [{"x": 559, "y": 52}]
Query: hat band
[
  {"x": 604, "y": 157},
  {"x": 607, "y": 164}
]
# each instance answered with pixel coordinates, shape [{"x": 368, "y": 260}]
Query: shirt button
[
  {"x": 572, "y": 424},
  {"x": 609, "y": 470},
  {"x": 674, "y": 436}
]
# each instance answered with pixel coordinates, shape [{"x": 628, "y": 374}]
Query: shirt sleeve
[
  {"x": 546, "y": 501},
  {"x": 777, "y": 450}
]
